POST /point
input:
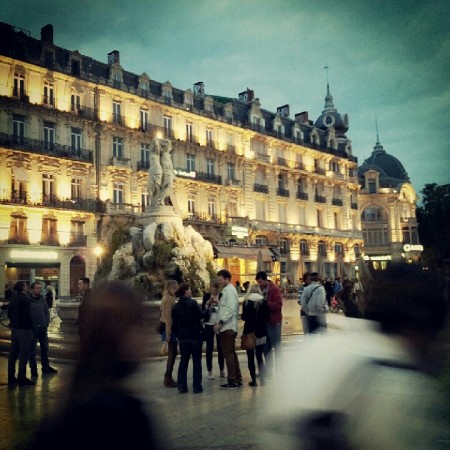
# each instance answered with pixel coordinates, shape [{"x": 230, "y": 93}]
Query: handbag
[
  {"x": 160, "y": 328},
  {"x": 248, "y": 341}
]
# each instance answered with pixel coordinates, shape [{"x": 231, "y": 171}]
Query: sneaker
[
  {"x": 229, "y": 386},
  {"x": 222, "y": 374},
  {"x": 26, "y": 382},
  {"x": 49, "y": 369},
  {"x": 210, "y": 376},
  {"x": 253, "y": 384}
]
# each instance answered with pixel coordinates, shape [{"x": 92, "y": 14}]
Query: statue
[
  {"x": 168, "y": 174},
  {"x": 154, "y": 171}
]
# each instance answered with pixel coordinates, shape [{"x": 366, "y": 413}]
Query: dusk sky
[{"x": 387, "y": 59}]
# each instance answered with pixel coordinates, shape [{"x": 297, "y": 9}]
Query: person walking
[
  {"x": 254, "y": 315},
  {"x": 306, "y": 280},
  {"x": 228, "y": 328},
  {"x": 167, "y": 304},
  {"x": 84, "y": 293},
  {"x": 314, "y": 303},
  {"x": 210, "y": 305},
  {"x": 19, "y": 313},
  {"x": 40, "y": 319},
  {"x": 187, "y": 327},
  {"x": 50, "y": 298},
  {"x": 272, "y": 294}
]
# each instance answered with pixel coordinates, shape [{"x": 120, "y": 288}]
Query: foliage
[{"x": 433, "y": 217}]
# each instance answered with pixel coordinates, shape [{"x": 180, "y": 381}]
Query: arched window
[
  {"x": 304, "y": 249},
  {"x": 322, "y": 249},
  {"x": 261, "y": 240},
  {"x": 373, "y": 214}
]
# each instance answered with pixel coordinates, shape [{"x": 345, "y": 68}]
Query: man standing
[
  {"x": 19, "y": 312},
  {"x": 40, "y": 319},
  {"x": 272, "y": 294},
  {"x": 313, "y": 301},
  {"x": 227, "y": 326}
]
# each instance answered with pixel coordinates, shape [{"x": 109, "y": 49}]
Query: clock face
[{"x": 328, "y": 120}]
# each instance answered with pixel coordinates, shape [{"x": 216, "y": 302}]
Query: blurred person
[
  {"x": 337, "y": 285},
  {"x": 187, "y": 327},
  {"x": 210, "y": 304},
  {"x": 329, "y": 290},
  {"x": 102, "y": 409},
  {"x": 167, "y": 304},
  {"x": 358, "y": 292},
  {"x": 50, "y": 294},
  {"x": 40, "y": 319},
  {"x": 84, "y": 291},
  {"x": 254, "y": 314},
  {"x": 19, "y": 314},
  {"x": 313, "y": 301},
  {"x": 346, "y": 300},
  {"x": 238, "y": 287},
  {"x": 246, "y": 285},
  {"x": 380, "y": 395},
  {"x": 272, "y": 295},
  {"x": 227, "y": 327},
  {"x": 306, "y": 280}
]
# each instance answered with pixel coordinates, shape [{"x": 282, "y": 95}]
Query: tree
[{"x": 433, "y": 216}]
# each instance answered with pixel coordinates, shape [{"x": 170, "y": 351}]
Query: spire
[
  {"x": 329, "y": 105},
  {"x": 378, "y": 147}
]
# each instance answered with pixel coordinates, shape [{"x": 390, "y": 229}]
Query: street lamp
[{"x": 98, "y": 252}]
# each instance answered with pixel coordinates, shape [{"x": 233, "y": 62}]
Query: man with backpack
[{"x": 313, "y": 301}]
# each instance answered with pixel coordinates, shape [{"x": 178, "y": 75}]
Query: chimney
[
  {"x": 246, "y": 96},
  {"x": 283, "y": 111},
  {"x": 302, "y": 117},
  {"x": 114, "y": 57},
  {"x": 47, "y": 34}
]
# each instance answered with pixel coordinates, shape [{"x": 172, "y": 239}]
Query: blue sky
[{"x": 386, "y": 59}]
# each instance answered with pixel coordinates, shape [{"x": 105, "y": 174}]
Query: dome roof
[
  {"x": 330, "y": 117},
  {"x": 392, "y": 172}
]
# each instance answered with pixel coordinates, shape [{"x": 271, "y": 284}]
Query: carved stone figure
[
  {"x": 155, "y": 172},
  {"x": 168, "y": 174}
]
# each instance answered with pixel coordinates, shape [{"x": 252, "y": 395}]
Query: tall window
[
  {"x": 304, "y": 249},
  {"x": 210, "y": 167},
  {"x": 189, "y": 134},
  {"x": 339, "y": 248},
  {"x": 18, "y": 233},
  {"x": 191, "y": 204},
  {"x": 261, "y": 240},
  {"x": 49, "y": 233},
  {"x": 282, "y": 212},
  {"x": 77, "y": 232},
  {"x": 76, "y": 139},
  {"x": 18, "y": 129},
  {"x": 49, "y": 135},
  {"x": 261, "y": 208},
  {"x": 372, "y": 187},
  {"x": 322, "y": 249},
  {"x": 231, "y": 171},
  {"x": 49, "y": 94},
  {"x": 143, "y": 86},
  {"x": 211, "y": 206},
  {"x": 75, "y": 190},
  {"x": 145, "y": 155},
  {"x": 284, "y": 246},
  {"x": 167, "y": 126},
  {"x": 144, "y": 119},
  {"x": 118, "y": 193},
  {"x": 117, "y": 147},
  {"x": 145, "y": 199},
  {"x": 190, "y": 162},
  {"x": 209, "y": 138},
  {"x": 337, "y": 221},
  {"x": 117, "y": 116},
  {"x": 19, "y": 85},
  {"x": 48, "y": 186},
  {"x": 372, "y": 214},
  {"x": 319, "y": 218},
  {"x": 75, "y": 102}
]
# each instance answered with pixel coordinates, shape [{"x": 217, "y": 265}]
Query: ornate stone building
[
  {"x": 267, "y": 190},
  {"x": 387, "y": 201}
]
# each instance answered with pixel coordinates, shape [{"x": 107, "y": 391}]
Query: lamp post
[{"x": 98, "y": 252}]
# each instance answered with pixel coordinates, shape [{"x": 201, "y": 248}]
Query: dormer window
[
  {"x": 372, "y": 186},
  {"x": 117, "y": 80}
]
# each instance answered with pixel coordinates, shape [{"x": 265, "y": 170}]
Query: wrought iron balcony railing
[
  {"x": 337, "y": 202},
  {"x": 283, "y": 192},
  {"x": 143, "y": 165},
  {"x": 208, "y": 177},
  {"x": 302, "y": 195},
  {"x": 320, "y": 199},
  {"x": 261, "y": 188},
  {"x": 319, "y": 170},
  {"x": 354, "y": 205}
]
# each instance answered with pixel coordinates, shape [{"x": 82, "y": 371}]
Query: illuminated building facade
[
  {"x": 387, "y": 201},
  {"x": 265, "y": 189}
]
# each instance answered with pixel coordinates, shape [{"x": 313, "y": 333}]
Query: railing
[
  {"x": 18, "y": 238},
  {"x": 45, "y": 148},
  {"x": 21, "y": 95},
  {"x": 210, "y": 144},
  {"x": 192, "y": 139},
  {"x": 256, "y": 127},
  {"x": 208, "y": 177},
  {"x": 49, "y": 101},
  {"x": 120, "y": 161},
  {"x": 117, "y": 119},
  {"x": 78, "y": 240},
  {"x": 300, "y": 166},
  {"x": 319, "y": 170},
  {"x": 263, "y": 157},
  {"x": 300, "y": 195},
  {"x": 282, "y": 162},
  {"x": 261, "y": 188},
  {"x": 123, "y": 207},
  {"x": 283, "y": 192},
  {"x": 143, "y": 165},
  {"x": 337, "y": 202},
  {"x": 354, "y": 205},
  {"x": 83, "y": 111},
  {"x": 233, "y": 182},
  {"x": 50, "y": 239},
  {"x": 320, "y": 199},
  {"x": 231, "y": 149},
  {"x": 202, "y": 217}
]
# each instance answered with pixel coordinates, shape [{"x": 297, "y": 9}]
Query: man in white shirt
[
  {"x": 227, "y": 327},
  {"x": 313, "y": 301}
]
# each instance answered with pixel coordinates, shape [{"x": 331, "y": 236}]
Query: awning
[
  {"x": 20, "y": 174},
  {"x": 225, "y": 251}
]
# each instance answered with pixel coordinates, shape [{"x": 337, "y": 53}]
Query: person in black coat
[{"x": 187, "y": 327}]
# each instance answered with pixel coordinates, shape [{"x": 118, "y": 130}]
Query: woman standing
[
  {"x": 167, "y": 304},
  {"x": 209, "y": 305},
  {"x": 187, "y": 326},
  {"x": 255, "y": 313}
]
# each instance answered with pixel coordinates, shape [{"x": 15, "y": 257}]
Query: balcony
[
  {"x": 192, "y": 139},
  {"x": 337, "y": 202},
  {"x": 319, "y": 199},
  {"x": 83, "y": 111},
  {"x": 319, "y": 170},
  {"x": 300, "y": 195},
  {"x": 167, "y": 133},
  {"x": 77, "y": 240},
  {"x": 21, "y": 95},
  {"x": 119, "y": 161},
  {"x": 263, "y": 157},
  {"x": 231, "y": 149},
  {"x": 117, "y": 119},
  {"x": 282, "y": 162},
  {"x": 143, "y": 165},
  {"x": 233, "y": 182},
  {"x": 211, "y": 144},
  {"x": 264, "y": 189},
  {"x": 354, "y": 205},
  {"x": 19, "y": 238},
  {"x": 208, "y": 177},
  {"x": 299, "y": 166},
  {"x": 49, "y": 101},
  {"x": 50, "y": 239},
  {"x": 44, "y": 148},
  {"x": 203, "y": 218},
  {"x": 123, "y": 208},
  {"x": 281, "y": 192}
]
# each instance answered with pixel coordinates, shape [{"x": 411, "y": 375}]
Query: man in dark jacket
[
  {"x": 19, "y": 312},
  {"x": 40, "y": 319}
]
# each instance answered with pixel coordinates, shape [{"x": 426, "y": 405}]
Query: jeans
[
  {"x": 21, "y": 342},
  {"x": 172, "y": 352},
  {"x": 273, "y": 341},
  {"x": 40, "y": 334},
  {"x": 228, "y": 344},
  {"x": 209, "y": 338},
  {"x": 259, "y": 349},
  {"x": 317, "y": 323},
  {"x": 190, "y": 347}
]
